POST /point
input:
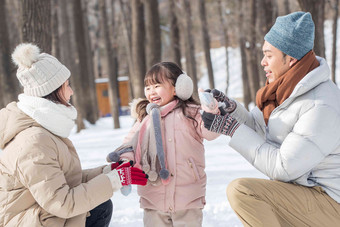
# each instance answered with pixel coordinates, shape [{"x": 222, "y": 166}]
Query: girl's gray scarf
[{"x": 147, "y": 144}]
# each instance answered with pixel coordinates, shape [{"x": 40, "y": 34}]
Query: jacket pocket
[{"x": 194, "y": 169}]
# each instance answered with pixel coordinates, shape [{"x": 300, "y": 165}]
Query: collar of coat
[
  {"x": 56, "y": 118},
  {"x": 275, "y": 93}
]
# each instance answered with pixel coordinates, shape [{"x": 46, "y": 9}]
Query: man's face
[{"x": 274, "y": 62}]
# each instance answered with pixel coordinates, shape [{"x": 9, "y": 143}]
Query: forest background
[{"x": 124, "y": 38}]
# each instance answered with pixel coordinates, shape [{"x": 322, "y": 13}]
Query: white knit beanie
[
  {"x": 184, "y": 87},
  {"x": 39, "y": 73}
]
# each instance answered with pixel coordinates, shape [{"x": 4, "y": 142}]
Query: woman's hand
[
  {"x": 112, "y": 166},
  {"x": 126, "y": 174}
]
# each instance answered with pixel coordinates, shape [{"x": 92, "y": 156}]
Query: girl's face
[
  {"x": 160, "y": 94},
  {"x": 66, "y": 91}
]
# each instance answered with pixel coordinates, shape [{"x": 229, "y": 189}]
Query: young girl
[{"x": 176, "y": 199}]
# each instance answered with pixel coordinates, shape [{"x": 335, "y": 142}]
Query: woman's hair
[
  {"x": 57, "y": 96},
  {"x": 158, "y": 74}
]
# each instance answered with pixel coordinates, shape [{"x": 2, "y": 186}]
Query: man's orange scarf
[{"x": 275, "y": 93}]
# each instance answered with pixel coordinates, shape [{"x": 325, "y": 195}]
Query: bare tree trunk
[
  {"x": 114, "y": 32},
  {"x": 55, "y": 35},
  {"x": 113, "y": 85},
  {"x": 189, "y": 45},
  {"x": 97, "y": 41},
  {"x": 69, "y": 57},
  {"x": 153, "y": 32},
  {"x": 82, "y": 49},
  {"x": 242, "y": 43},
  {"x": 36, "y": 23},
  {"x": 286, "y": 5},
  {"x": 249, "y": 23},
  {"x": 335, "y": 29},
  {"x": 2, "y": 102},
  {"x": 175, "y": 50},
  {"x": 317, "y": 9},
  {"x": 13, "y": 23},
  {"x": 205, "y": 41},
  {"x": 275, "y": 8},
  {"x": 8, "y": 81},
  {"x": 220, "y": 10},
  {"x": 138, "y": 51},
  {"x": 93, "y": 113},
  {"x": 125, "y": 11},
  {"x": 266, "y": 19}
]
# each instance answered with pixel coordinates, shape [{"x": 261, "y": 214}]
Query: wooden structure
[{"x": 102, "y": 90}]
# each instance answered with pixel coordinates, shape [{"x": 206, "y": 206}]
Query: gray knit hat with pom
[{"x": 39, "y": 73}]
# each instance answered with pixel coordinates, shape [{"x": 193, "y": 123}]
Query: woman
[{"x": 41, "y": 180}]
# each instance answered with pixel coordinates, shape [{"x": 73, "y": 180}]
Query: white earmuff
[{"x": 184, "y": 87}]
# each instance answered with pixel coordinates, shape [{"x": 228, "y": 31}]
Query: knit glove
[
  {"x": 226, "y": 124},
  {"x": 112, "y": 166},
  {"x": 125, "y": 190},
  {"x": 230, "y": 105},
  {"x": 126, "y": 174},
  {"x": 131, "y": 175}
]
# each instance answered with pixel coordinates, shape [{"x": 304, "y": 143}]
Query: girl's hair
[
  {"x": 158, "y": 74},
  {"x": 57, "y": 97}
]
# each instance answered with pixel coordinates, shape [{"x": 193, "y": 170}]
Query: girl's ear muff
[{"x": 184, "y": 87}]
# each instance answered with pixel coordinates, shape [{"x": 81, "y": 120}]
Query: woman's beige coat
[{"x": 41, "y": 180}]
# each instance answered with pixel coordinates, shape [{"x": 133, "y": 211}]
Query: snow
[
  {"x": 223, "y": 164},
  {"x": 235, "y": 89}
]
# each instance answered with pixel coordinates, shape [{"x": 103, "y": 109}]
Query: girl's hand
[
  {"x": 208, "y": 103},
  {"x": 230, "y": 105}
]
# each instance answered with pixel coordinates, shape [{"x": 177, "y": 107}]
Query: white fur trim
[
  {"x": 184, "y": 87},
  {"x": 133, "y": 105}
]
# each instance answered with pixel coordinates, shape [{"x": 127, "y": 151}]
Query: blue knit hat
[{"x": 293, "y": 34}]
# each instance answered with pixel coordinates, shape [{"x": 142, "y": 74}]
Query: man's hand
[
  {"x": 230, "y": 105},
  {"x": 226, "y": 124}
]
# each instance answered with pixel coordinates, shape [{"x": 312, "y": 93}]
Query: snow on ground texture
[{"x": 223, "y": 164}]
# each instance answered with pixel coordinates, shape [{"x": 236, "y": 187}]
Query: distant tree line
[{"x": 112, "y": 38}]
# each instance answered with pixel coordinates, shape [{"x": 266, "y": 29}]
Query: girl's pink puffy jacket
[{"x": 184, "y": 152}]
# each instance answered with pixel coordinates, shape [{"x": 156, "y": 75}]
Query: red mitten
[
  {"x": 115, "y": 164},
  {"x": 131, "y": 175}
]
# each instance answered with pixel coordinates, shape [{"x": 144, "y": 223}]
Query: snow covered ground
[{"x": 223, "y": 164}]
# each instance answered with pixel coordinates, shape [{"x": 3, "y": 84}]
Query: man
[{"x": 292, "y": 135}]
